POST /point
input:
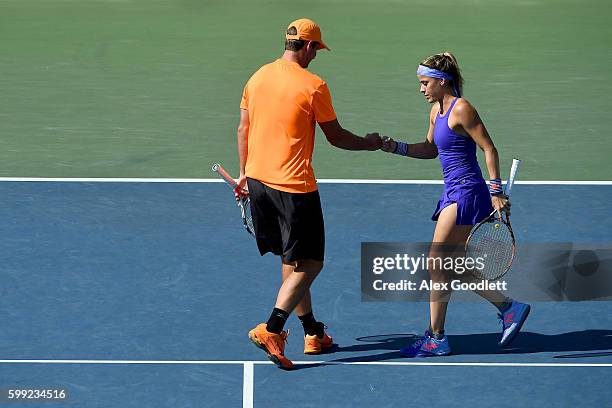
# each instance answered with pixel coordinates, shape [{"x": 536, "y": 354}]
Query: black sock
[
  {"x": 503, "y": 307},
  {"x": 277, "y": 320},
  {"x": 311, "y": 326}
]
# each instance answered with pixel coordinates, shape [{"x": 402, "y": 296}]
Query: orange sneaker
[
  {"x": 273, "y": 344},
  {"x": 314, "y": 344}
]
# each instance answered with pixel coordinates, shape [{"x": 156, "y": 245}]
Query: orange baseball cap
[{"x": 307, "y": 30}]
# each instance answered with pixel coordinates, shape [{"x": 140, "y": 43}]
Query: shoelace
[
  {"x": 419, "y": 342},
  {"x": 501, "y": 320},
  {"x": 279, "y": 348}
]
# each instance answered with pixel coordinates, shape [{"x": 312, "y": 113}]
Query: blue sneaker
[
  {"x": 427, "y": 346},
  {"x": 512, "y": 321}
]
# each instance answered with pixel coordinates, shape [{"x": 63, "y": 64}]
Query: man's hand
[
  {"x": 388, "y": 144},
  {"x": 241, "y": 190},
  {"x": 374, "y": 140}
]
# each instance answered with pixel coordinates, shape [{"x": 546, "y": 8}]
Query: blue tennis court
[{"x": 139, "y": 294}]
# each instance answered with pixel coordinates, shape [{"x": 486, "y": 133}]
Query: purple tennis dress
[{"x": 463, "y": 182}]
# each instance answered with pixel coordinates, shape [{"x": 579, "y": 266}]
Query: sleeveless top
[{"x": 457, "y": 153}]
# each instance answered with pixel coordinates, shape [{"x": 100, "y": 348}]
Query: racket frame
[
  {"x": 493, "y": 218},
  {"x": 516, "y": 163},
  {"x": 244, "y": 201}
]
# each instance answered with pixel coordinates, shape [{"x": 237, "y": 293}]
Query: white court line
[
  {"x": 247, "y": 385},
  {"x": 527, "y": 182},
  {"x": 249, "y": 362},
  {"x": 249, "y": 367},
  {"x": 322, "y": 181},
  {"x": 108, "y": 180}
]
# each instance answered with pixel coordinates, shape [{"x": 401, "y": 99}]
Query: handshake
[{"x": 384, "y": 143}]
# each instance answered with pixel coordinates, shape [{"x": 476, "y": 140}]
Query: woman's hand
[{"x": 501, "y": 203}]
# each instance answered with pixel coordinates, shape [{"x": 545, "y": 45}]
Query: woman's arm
[
  {"x": 465, "y": 119},
  {"x": 423, "y": 150}
]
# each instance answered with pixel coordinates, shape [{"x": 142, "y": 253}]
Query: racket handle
[
  {"x": 217, "y": 168},
  {"x": 516, "y": 163}
]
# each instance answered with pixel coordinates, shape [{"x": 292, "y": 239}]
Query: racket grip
[
  {"x": 217, "y": 168},
  {"x": 516, "y": 163}
]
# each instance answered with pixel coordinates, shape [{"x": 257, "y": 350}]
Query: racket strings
[
  {"x": 494, "y": 243},
  {"x": 245, "y": 207}
]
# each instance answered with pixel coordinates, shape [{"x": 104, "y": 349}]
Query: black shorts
[{"x": 287, "y": 224}]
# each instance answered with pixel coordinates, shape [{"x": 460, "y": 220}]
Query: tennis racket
[
  {"x": 493, "y": 240},
  {"x": 244, "y": 202}
]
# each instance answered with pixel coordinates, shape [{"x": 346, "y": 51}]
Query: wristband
[
  {"x": 401, "y": 148},
  {"x": 495, "y": 187}
]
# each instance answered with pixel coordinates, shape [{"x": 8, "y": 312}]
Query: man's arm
[
  {"x": 344, "y": 139},
  {"x": 243, "y": 133}
]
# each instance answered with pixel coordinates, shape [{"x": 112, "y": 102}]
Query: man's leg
[
  {"x": 303, "y": 309},
  {"x": 304, "y": 306},
  {"x": 315, "y": 338},
  {"x": 301, "y": 228},
  {"x": 295, "y": 290},
  {"x": 297, "y": 278},
  {"x": 270, "y": 336}
]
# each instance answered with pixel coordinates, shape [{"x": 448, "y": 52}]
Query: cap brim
[{"x": 322, "y": 45}]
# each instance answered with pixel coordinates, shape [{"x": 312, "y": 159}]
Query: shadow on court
[
  {"x": 486, "y": 343},
  {"x": 529, "y": 342}
]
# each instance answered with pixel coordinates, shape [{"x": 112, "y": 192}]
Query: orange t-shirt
[{"x": 284, "y": 102}]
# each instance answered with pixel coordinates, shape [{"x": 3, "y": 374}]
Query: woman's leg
[
  {"x": 497, "y": 298},
  {"x": 447, "y": 237}
]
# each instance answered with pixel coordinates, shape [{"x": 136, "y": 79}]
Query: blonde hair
[{"x": 446, "y": 62}]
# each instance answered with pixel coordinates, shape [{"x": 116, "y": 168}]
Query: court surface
[
  {"x": 136, "y": 293},
  {"x": 140, "y": 294}
]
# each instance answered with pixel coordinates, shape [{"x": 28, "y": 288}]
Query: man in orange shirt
[{"x": 281, "y": 104}]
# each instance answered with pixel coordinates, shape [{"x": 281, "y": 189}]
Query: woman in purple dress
[{"x": 455, "y": 130}]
